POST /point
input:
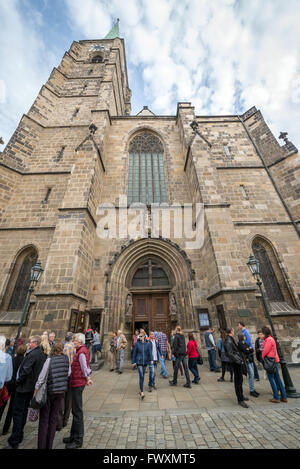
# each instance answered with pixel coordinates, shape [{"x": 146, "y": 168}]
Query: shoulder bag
[
  {"x": 199, "y": 358},
  {"x": 40, "y": 399},
  {"x": 269, "y": 364}
]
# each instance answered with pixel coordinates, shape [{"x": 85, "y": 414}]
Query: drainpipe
[{"x": 271, "y": 177}]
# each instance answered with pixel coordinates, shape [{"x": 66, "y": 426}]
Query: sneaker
[
  {"x": 67, "y": 440},
  {"x": 220, "y": 380},
  {"x": 120, "y": 372},
  {"x": 187, "y": 385},
  {"x": 243, "y": 404},
  {"x": 150, "y": 389},
  {"x": 254, "y": 394},
  {"x": 111, "y": 369},
  {"x": 172, "y": 383}
]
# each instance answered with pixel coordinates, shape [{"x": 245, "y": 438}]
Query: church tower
[{"x": 52, "y": 171}]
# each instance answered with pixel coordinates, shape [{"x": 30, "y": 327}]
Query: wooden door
[
  {"x": 153, "y": 310},
  {"x": 141, "y": 312},
  {"x": 160, "y": 313}
]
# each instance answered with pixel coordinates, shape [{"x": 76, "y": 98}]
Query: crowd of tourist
[{"x": 46, "y": 378}]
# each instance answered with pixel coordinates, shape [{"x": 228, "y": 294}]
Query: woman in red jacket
[
  {"x": 270, "y": 350},
  {"x": 192, "y": 353}
]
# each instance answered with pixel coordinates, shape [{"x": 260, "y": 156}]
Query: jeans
[
  {"x": 120, "y": 359},
  {"x": 194, "y": 368},
  {"x": 250, "y": 369},
  {"x": 142, "y": 371},
  {"x": 152, "y": 374},
  {"x": 181, "y": 359},
  {"x": 212, "y": 360},
  {"x": 77, "y": 429},
  {"x": 180, "y": 367},
  {"x": 20, "y": 412},
  {"x": 276, "y": 384},
  {"x": 48, "y": 420},
  {"x": 256, "y": 375},
  {"x": 163, "y": 370}
]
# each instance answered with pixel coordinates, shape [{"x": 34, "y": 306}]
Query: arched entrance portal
[
  {"x": 150, "y": 285},
  {"x": 149, "y": 282}
]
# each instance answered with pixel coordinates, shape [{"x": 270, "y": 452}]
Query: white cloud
[
  {"x": 25, "y": 65},
  {"x": 217, "y": 54}
]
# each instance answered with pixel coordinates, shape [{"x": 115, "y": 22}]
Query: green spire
[{"x": 114, "y": 32}]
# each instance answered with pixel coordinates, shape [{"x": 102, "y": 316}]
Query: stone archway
[{"x": 118, "y": 288}]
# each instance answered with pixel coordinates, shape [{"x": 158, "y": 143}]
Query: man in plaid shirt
[{"x": 162, "y": 340}]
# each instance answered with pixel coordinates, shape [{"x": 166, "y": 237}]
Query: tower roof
[{"x": 114, "y": 32}]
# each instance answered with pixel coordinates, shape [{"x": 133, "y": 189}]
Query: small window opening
[
  {"x": 76, "y": 112},
  {"x": 90, "y": 71},
  {"x": 97, "y": 59},
  {"x": 60, "y": 154},
  {"x": 45, "y": 201},
  {"x": 84, "y": 88},
  {"x": 244, "y": 192},
  {"x": 227, "y": 150}
]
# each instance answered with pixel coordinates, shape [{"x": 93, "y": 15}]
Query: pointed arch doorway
[{"x": 150, "y": 285}]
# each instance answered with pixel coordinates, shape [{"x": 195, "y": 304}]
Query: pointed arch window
[
  {"x": 146, "y": 178},
  {"x": 98, "y": 59},
  {"x": 150, "y": 274},
  {"x": 268, "y": 275},
  {"x": 20, "y": 280}
]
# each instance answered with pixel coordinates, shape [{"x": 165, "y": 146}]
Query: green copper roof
[{"x": 114, "y": 32}]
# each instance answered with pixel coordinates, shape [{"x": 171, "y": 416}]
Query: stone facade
[{"x": 57, "y": 170}]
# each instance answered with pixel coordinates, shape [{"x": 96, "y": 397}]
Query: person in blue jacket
[
  {"x": 156, "y": 354},
  {"x": 142, "y": 356}
]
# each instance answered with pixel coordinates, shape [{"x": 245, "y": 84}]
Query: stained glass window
[
  {"x": 150, "y": 274},
  {"x": 267, "y": 273},
  {"x": 146, "y": 178},
  {"x": 18, "y": 298}
]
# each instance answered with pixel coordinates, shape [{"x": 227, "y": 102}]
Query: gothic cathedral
[{"x": 146, "y": 220}]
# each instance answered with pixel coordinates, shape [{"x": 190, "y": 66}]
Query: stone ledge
[{"x": 230, "y": 290}]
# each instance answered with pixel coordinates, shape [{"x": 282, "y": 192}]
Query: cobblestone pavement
[{"x": 204, "y": 417}]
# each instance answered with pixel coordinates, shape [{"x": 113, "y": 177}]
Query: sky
[{"x": 223, "y": 56}]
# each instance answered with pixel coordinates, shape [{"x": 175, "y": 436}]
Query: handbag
[
  {"x": 269, "y": 364},
  {"x": 40, "y": 399},
  {"x": 33, "y": 415},
  {"x": 199, "y": 358}
]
